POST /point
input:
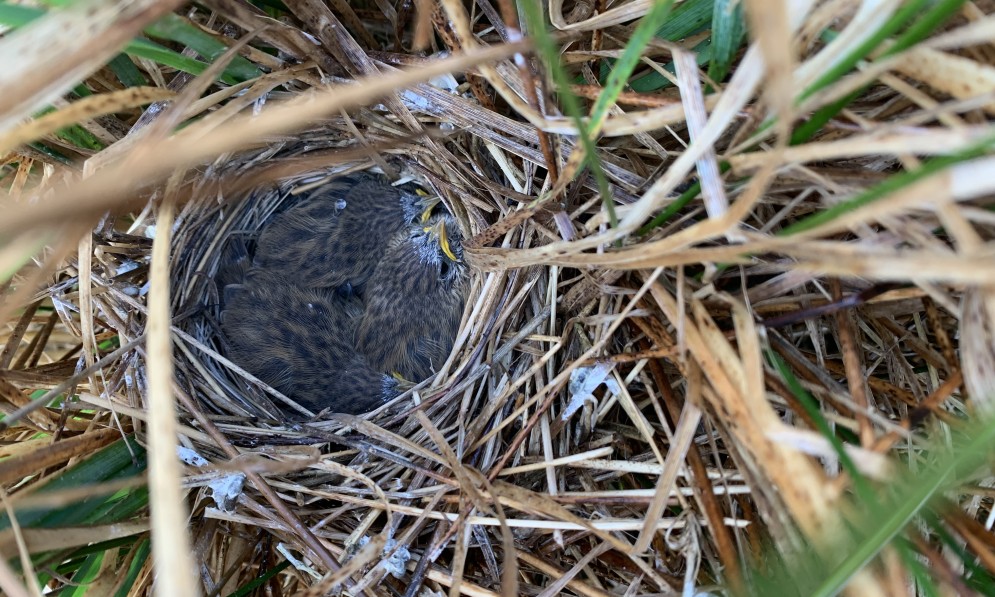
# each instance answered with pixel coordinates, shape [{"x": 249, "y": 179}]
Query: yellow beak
[
  {"x": 429, "y": 206},
  {"x": 439, "y": 229}
]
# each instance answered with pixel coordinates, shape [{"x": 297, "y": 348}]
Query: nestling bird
[
  {"x": 334, "y": 236},
  {"x": 234, "y": 265},
  {"x": 415, "y": 300},
  {"x": 300, "y": 341},
  {"x": 355, "y": 284}
]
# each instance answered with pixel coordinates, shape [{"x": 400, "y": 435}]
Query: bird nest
[
  {"x": 382, "y": 489},
  {"x": 696, "y": 323},
  {"x": 306, "y": 250}
]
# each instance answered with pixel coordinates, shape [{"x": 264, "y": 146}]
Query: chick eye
[{"x": 444, "y": 267}]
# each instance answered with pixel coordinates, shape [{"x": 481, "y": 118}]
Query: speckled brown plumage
[
  {"x": 234, "y": 265},
  {"x": 414, "y": 301},
  {"x": 335, "y": 235},
  {"x": 345, "y": 287},
  {"x": 299, "y": 340}
]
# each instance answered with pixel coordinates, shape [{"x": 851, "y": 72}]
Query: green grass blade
[
  {"x": 144, "y": 48},
  {"x": 126, "y": 71},
  {"x": 880, "y": 524},
  {"x": 890, "y": 185},
  {"x": 728, "y": 32},
  {"x": 137, "y": 563},
  {"x": 617, "y": 79},
  {"x": 886, "y": 523},
  {"x": 262, "y": 579},
  {"x": 50, "y": 153},
  {"x": 672, "y": 209},
  {"x": 686, "y": 19},
  {"x": 16, "y": 16},
  {"x": 110, "y": 463},
  {"x": 654, "y": 81},
  {"x": 937, "y": 14},
  {"x": 634, "y": 48},
  {"x": 860, "y": 484},
  {"x": 80, "y": 137},
  {"x": 898, "y": 20},
  {"x": 547, "y": 49},
  {"x": 121, "y": 506},
  {"x": 175, "y": 28},
  {"x": 85, "y": 573}
]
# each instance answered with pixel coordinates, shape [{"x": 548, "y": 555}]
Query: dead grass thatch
[{"x": 688, "y": 344}]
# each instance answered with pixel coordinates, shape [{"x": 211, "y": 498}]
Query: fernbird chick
[
  {"x": 300, "y": 341},
  {"x": 334, "y": 237},
  {"x": 234, "y": 265},
  {"x": 415, "y": 300}
]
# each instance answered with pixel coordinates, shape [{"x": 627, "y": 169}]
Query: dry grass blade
[
  {"x": 84, "y": 109},
  {"x": 10, "y": 582},
  {"x": 15, "y": 469},
  {"x": 40, "y": 540},
  {"x": 104, "y": 190},
  {"x": 171, "y": 544},
  {"x": 77, "y": 40}
]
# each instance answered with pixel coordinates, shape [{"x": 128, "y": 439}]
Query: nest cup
[
  {"x": 383, "y": 484},
  {"x": 205, "y": 226},
  {"x": 340, "y": 468}
]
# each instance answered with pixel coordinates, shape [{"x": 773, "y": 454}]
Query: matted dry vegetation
[{"x": 752, "y": 332}]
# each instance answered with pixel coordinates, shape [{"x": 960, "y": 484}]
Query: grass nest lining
[
  {"x": 475, "y": 405},
  {"x": 717, "y": 314},
  {"x": 249, "y": 415}
]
